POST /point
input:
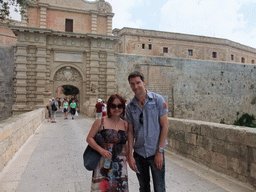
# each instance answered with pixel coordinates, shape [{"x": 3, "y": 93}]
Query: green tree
[{"x": 19, "y": 6}]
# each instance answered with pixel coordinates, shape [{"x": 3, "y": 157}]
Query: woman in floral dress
[{"x": 113, "y": 131}]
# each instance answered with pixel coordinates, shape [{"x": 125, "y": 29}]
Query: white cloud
[
  {"x": 123, "y": 16},
  {"x": 215, "y": 18}
]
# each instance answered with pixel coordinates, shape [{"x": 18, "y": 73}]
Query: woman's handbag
[{"x": 91, "y": 157}]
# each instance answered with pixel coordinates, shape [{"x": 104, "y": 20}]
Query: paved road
[{"x": 51, "y": 161}]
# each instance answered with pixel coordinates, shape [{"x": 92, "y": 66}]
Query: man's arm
[
  {"x": 131, "y": 159},
  {"x": 164, "y": 130}
]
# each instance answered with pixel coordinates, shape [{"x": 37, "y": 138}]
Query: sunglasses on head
[{"x": 113, "y": 106}]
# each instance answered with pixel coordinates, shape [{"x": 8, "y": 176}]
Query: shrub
[{"x": 245, "y": 120}]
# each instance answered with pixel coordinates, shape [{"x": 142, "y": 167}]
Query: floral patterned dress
[{"x": 114, "y": 179}]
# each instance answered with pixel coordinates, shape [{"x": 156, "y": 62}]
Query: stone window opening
[
  {"x": 143, "y": 46},
  {"x": 253, "y": 62},
  {"x": 232, "y": 57},
  {"x": 165, "y": 49},
  {"x": 190, "y": 52},
  {"x": 149, "y": 46},
  {"x": 214, "y": 54},
  {"x": 69, "y": 25},
  {"x": 243, "y": 60}
]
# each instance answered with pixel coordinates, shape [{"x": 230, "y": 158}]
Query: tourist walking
[
  {"x": 104, "y": 109},
  {"x": 65, "y": 108},
  {"x": 72, "y": 108},
  {"x": 48, "y": 107},
  {"x": 53, "y": 110},
  {"x": 98, "y": 108},
  {"x": 111, "y": 171},
  {"x": 147, "y": 124}
]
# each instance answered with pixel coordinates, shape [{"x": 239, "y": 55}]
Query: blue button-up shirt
[{"x": 147, "y": 135}]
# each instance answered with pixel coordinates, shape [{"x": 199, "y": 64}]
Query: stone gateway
[{"x": 64, "y": 44}]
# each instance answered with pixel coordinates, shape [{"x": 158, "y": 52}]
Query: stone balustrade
[
  {"x": 15, "y": 131},
  {"x": 225, "y": 148}
]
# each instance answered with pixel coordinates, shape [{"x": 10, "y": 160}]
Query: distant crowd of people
[{"x": 68, "y": 105}]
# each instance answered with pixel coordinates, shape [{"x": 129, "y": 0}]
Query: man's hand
[
  {"x": 132, "y": 163},
  {"x": 159, "y": 160}
]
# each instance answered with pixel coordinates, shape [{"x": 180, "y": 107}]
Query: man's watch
[{"x": 160, "y": 149}]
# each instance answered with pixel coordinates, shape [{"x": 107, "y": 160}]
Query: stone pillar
[
  {"x": 94, "y": 70},
  {"x": 109, "y": 25},
  {"x": 111, "y": 74},
  {"x": 20, "y": 87},
  {"x": 94, "y": 23},
  {"x": 43, "y": 11},
  {"x": 93, "y": 78},
  {"x": 40, "y": 76}
]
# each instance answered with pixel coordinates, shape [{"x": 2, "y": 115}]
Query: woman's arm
[{"x": 91, "y": 141}]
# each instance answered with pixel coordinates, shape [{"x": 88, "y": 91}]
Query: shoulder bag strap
[{"x": 102, "y": 121}]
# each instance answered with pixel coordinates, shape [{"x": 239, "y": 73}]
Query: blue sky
[{"x": 229, "y": 19}]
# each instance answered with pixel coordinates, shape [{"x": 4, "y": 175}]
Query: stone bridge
[{"x": 37, "y": 155}]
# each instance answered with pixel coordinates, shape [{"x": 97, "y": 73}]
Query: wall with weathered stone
[
  {"x": 225, "y": 148},
  {"x": 6, "y": 81},
  {"x": 178, "y": 45},
  {"x": 194, "y": 89},
  {"x": 15, "y": 131}
]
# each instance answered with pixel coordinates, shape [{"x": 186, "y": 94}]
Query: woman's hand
[{"x": 105, "y": 153}]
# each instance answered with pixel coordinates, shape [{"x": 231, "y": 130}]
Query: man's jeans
[{"x": 143, "y": 165}]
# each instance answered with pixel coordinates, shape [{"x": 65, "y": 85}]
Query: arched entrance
[{"x": 68, "y": 76}]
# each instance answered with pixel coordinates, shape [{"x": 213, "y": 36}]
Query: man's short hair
[{"x": 136, "y": 74}]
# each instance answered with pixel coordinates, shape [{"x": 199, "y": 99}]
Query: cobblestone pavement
[{"x": 51, "y": 161}]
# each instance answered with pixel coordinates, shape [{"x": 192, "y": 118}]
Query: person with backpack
[{"x": 53, "y": 110}]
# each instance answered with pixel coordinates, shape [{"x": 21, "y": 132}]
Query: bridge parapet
[
  {"x": 15, "y": 131},
  {"x": 225, "y": 148}
]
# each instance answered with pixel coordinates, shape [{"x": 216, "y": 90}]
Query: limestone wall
[
  {"x": 153, "y": 43},
  {"x": 6, "y": 81},
  {"x": 194, "y": 89},
  {"x": 225, "y": 148},
  {"x": 15, "y": 131}
]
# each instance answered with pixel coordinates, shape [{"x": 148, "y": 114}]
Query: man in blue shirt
[{"x": 147, "y": 130}]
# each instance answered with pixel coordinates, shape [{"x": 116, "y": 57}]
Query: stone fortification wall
[
  {"x": 6, "y": 81},
  {"x": 176, "y": 45},
  {"x": 225, "y": 148},
  {"x": 194, "y": 89},
  {"x": 15, "y": 131}
]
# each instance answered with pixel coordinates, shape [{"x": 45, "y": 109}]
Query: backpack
[{"x": 54, "y": 108}]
